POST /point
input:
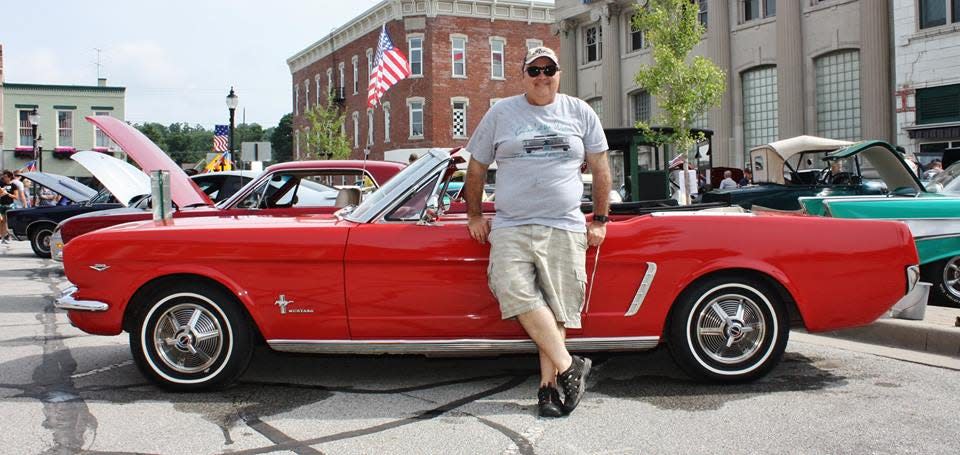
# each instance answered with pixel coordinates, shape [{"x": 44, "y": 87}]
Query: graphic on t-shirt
[{"x": 545, "y": 146}]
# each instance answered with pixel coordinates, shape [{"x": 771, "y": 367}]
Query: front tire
[
  {"x": 191, "y": 337},
  {"x": 40, "y": 240},
  {"x": 945, "y": 277},
  {"x": 728, "y": 329}
]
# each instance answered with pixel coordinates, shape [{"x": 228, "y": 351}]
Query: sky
[{"x": 176, "y": 58}]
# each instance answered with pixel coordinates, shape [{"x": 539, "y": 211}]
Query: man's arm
[
  {"x": 600, "y": 169},
  {"x": 473, "y": 192}
]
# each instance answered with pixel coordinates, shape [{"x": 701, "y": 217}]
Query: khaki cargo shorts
[{"x": 533, "y": 266}]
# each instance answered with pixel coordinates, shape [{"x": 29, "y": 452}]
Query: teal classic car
[
  {"x": 932, "y": 213},
  {"x": 785, "y": 170}
]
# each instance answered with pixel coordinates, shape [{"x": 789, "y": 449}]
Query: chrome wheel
[
  {"x": 730, "y": 328},
  {"x": 951, "y": 277},
  {"x": 188, "y": 338}
]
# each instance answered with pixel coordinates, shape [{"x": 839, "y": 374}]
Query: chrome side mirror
[{"x": 431, "y": 212}]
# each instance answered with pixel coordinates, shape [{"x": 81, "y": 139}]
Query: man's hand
[
  {"x": 479, "y": 228},
  {"x": 596, "y": 232}
]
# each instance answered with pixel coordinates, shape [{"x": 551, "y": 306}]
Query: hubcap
[
  {"x": 730, "y": 328},
  {"x": 951, "y": 276},
  {"x": 188, "y": 338}
]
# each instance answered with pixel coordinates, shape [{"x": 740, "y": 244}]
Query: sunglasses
[{"x": 549, "y": 70}]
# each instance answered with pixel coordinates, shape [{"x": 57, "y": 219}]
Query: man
[
  {"x": 22, "y": 200},
  {"x": 9, "y": 193},
  {"x": 936, "y": 167},
  {"x": 747, "y": 179},
  {"x": 727, "y": 183},
  {"x": 539, "y": 236}
]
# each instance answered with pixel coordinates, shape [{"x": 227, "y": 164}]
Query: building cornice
[
  {"x": 11, "y": 87},
  {"x": 388, "y": 10}
]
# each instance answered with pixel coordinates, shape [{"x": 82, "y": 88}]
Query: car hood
[
  {"x": 183, "y": 191},
  {"x": 118, "y": 176},
  {"x": 64, "y": 186},
  {"x": 889, "y": 164}
]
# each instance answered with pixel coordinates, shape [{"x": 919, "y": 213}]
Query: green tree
[
  {"x": 281, "y": 139},
  {"x": 326, "y": 138},
  {"x": 683, "y": 90},
  {"x": 155, "y": 132}
]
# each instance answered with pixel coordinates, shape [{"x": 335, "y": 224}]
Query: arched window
[{"x": 760, "y": 119}]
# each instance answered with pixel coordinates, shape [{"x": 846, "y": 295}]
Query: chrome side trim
[
  {"x": 67, "y": 302},
  {"x": 642, "y": 290},
  {"x": 456, "y": 346}
]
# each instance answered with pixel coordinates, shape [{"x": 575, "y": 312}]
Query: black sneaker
[
  {"x": 549, "y": 402},
  {"x": 574, "y": 382}
]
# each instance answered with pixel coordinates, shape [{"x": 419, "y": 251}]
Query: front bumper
[{"x": 67, "y": 302}]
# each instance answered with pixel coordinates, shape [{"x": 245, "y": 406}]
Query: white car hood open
[{"x": 119, "y": 177}]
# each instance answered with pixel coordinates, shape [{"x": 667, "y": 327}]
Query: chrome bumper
[{"x": 67, "y": 302}]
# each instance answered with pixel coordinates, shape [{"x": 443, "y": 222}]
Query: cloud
[
  {"x": 41, "y": 66},
  {"x": 147, "y": 64}
]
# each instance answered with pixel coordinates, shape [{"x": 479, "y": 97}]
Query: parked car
[
  {"x": 398, "y": 275},
  {"x": 285, "y": 189},
  {"x": 783, "y": 171},
  {"x": 932, "y": 213}
]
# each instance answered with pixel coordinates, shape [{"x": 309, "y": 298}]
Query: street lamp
[
  {"x": 232, "y": 101},
  {"x": 34, "y": 118}
]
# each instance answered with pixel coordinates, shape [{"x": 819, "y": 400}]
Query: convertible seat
[{"x": 347, "y": 196}]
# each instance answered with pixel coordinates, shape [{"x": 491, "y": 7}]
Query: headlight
[
  {"x": 913, "y": 277},
  {"x": 56, "y": 245}
]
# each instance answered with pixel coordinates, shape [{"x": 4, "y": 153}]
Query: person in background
[
  {"x": 936, "y": 167},
  {"x": 727, "y": 182},
  {"x": 47, "y": 197},
  {"x": 8, "y": 194},
  {"x": 21, "y": 201},
  {"x": 413, "y": 157},
  {"x": 747, "y": 178}
]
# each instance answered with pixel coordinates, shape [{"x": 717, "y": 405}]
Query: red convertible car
[
  {"x": 398, "y": 275},
  {"x": 285, "y": 189}
]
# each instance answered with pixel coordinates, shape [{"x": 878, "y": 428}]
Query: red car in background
[{"x": 285, "y": 189}]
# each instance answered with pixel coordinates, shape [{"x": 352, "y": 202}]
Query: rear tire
[
  {"x": 728, "y": 328},
  {"x": 40, "y": 240},
  {"x": 945, "y": 277},
  {"x": 191, "y": 336}
]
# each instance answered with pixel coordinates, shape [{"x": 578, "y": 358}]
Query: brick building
[{"x": 464, "y": 56}]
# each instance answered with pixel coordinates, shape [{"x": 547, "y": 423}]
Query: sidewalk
[{"x": 937, "y": 333}]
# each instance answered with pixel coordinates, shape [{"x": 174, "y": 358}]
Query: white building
[{"x": 927, "y": 48}]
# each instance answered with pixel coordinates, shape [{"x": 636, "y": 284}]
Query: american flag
[
  {"x": 220, "y": 138},
  {"x": 31, "y": 166},
  {"x": 677, "y": 160},
  {"x": 389, "y": 67}
]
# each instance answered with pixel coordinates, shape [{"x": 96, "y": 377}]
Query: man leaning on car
[{"x": 539, "y": 237}]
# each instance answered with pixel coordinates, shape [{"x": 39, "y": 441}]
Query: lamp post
[
  {"x": 34, "y": 118},
  {"x": 232, "y": 101}
]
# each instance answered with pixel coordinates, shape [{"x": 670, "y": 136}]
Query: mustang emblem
[
  {"x": 99, "y": 267},
  {"x": 282, "y": 302}
]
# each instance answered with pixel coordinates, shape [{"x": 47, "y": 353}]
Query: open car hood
[
  {"x": 64, "y": 186},
  {"x": 887, "y": 161},
  {"x": 123, "y": 180},
  {"x": 183, "y": 191}
]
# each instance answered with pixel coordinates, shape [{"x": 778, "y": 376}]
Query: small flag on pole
[
  {"x": 389, "y": 67},
  {"x": 31, "y": 166},
  {"x": 220, "y": 138},
  {"x": 676, "y": 161}
]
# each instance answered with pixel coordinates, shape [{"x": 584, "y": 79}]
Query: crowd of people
[{"x": 16, "y": 193}]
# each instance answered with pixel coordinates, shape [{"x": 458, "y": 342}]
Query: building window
[
  {"x": 296, "y": 144},
  {"x": 532, "y": 43},
  {"x": 934, "y": 13},
  {"x": 496, "y": 57},
  {"x": 640, "y": 102},
  {"x": 296, "y": 100},
  {"x": 65, "y": 128},
  {"x": 415, "y": 106},
  {"x": 330, "y": 80},
  {"x": 386, "y": 122},
  {"x": 369, "y": 63},
  {"x": 369, "y": 126},
  {"x": 760, "y": 120},
  {"x": 26, "y": 130},
  {"x": 343, "y": 82},
  {"x": 702, "y": 13},
  {"x": 593, "y": 48},
  {"x": 838, "y": 95},
  {"x": 758, "y": 9},
  {"x": 459, "y": 108},
  {"x": 356, "y": 74},
  {"x": 415, "y": 44},
  {"x": 356, "y": 129},
  {"x": 597, "y": 105},
  {"x": 458, "y": 55},
  {"x": 636, "y": 37},
  {"x": 319, "y": 100},
  {"x": 306, "y": 95},
  {"x": 100, "y": 139},
  {"x": 938, "y": 104}
]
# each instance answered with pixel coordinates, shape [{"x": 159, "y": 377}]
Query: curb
[{"x": 912, "y": 335}]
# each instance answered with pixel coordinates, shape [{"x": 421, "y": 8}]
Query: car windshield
[
  {"x": 394, "y": 187},
  {"x": 948, "y": 179}
]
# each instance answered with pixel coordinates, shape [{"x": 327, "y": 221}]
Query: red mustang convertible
[{"x": 400, "y": 275}]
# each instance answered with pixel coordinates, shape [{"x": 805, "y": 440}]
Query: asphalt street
[{"x": 63, "y": 391}]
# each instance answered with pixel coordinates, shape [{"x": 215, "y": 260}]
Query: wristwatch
[{"x": 602, "y": 219}]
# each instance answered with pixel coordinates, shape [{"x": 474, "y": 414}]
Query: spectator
[
  {"x": 21, "y": 201},
  {"x": 727, "y": 182},
  {"x": 47, "y": 197},
  {"x": 413, "y": 157},
  {"x": 935, "y": 168},
  {"x": 747, "y": 179},
  {"x": 8, "y": 194}
]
